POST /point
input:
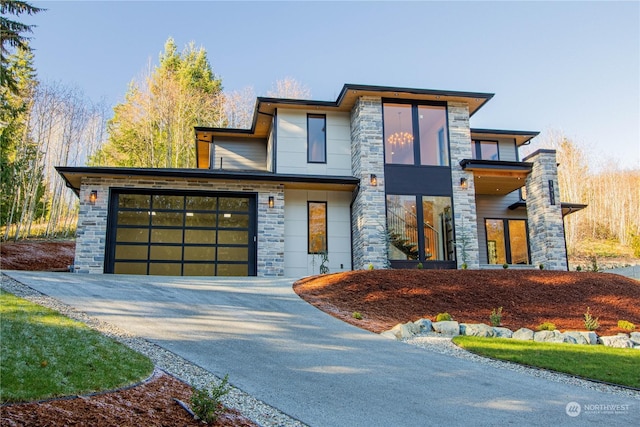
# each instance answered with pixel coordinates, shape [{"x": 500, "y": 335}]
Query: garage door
[{"x": 181, "y": 233}]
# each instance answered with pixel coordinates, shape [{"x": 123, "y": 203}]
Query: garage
[{"x": 181, "y": 233}]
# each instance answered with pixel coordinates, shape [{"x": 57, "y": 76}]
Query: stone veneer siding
[
  {"x": 546, "y": 226},
  {"x": 92, "y": 220},
  {"x": 368, "y": 217},
  {"x": 464, "y": 200}
]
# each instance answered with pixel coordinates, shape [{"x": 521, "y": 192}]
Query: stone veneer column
[
  {"x": 544, "y": 212},
  {"x": 368, "y": 219},
  {"x": 464, "y": 200},
  {"x": 92, "y": 220}
]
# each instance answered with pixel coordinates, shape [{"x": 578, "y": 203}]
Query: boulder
[
  {"x": 617, "y": 341},
  {"x": 635, "y": 338},
  {"x": 389, "y": 334},
  {"x": 590, "y": 336},
  {"x": 569, "y": 339},
  {"x": 548, "y": 336},
  {"x": 577, "y": 337},
  {"x": 524, "y": 334},
  {"x": 447, "y": 327},
  {"x": 502, "y": 332},
  {"x": 424, "y": 325},
  {"x": 405, "y": 330},
  {"x": 477, "y": 330}
]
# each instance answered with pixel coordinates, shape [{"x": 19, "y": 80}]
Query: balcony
[{"x": 496, "y": 177}]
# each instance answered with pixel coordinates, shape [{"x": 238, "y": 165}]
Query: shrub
[
  {"x": 626, "y": 325},
  {"x": 464, "y": 266},
  {"x": 546, "y": 326},
  {"x": 496, "y": 316},
  {"x": 443, "y": 317},
  {"x": 206, "y": 404},
  {"x": 541, "y": 266},
  {"x": 505, "y": 265},
  {"x": 594, "y": 264},
  {"x": 589, "y": 322},
  {"x": 370, "y": 266},
  {"x": 356, "y": 315},
  {"x": 578, "y": 268},
  {"x": 419, "y": 266}
]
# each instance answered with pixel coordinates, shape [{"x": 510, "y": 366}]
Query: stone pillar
[
  {"x": 92, "y": 227},
  {"x": 544, "y": 212},
  {"x": 464, "y": 199},
  {"x": 271, "y": 231},
  {"x": 368, "y": 219}
]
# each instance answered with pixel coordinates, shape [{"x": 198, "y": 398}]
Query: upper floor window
[
  {"x": 485, "y": 150},
  {"x": 415, "y": 134},
  {"x": 316, "y": 138}
]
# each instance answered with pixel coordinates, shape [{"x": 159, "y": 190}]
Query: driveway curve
[{"x": 316, "y": 368}]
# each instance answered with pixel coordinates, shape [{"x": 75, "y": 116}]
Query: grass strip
[
  {"x": 613, "y": 365},
  {"x": 44, "y": 354}
]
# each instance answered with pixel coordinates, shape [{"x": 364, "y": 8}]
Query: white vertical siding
[
  {"x": 245, "y": 154},
  {"x": 507, "y": 150},
  {"x": 297, "y": 262},
  {"x": 292, "y": 144}
]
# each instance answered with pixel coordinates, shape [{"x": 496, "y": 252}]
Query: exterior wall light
[
  {"x": 93, "y": 197},
  {"x": 463, "y": 183},
  {"x": 373, "y": 179},
  {"x": 271, "y": 202}
]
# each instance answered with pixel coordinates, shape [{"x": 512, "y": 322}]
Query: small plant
[
  {"x": 464, "y": 266},
  {"x": 541, "y": 266},
  {"x": 578, "y": 268},
  {"x": 496, "y": 316},
  {"x": 546, "y": 326},
  {"x": 594, "y": 264},
  {"x": 324, "y": 268},
  {"x": 419, "y": 266},
  {"x": 626, "y": 325},
  {"x": 356, "y": 315},
  {"x": 590, "y": 323},
  {"x": 505, "y": 265},
  {"x": 370, "y": 266},
  {"x": 443, "y": 317},
  {"x": 206, "y": 404}
]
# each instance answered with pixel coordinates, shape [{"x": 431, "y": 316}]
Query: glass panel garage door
[{"x": 181, "y": 234}]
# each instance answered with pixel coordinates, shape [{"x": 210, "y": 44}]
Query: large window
[
  {"x": 507, "y": 241},
  {"x": 415, "y": 134},
  {"x": 317, "y": 213},
  {"x": 181, "y": 234},
  {"x": 420, "y": 228},
  {"x": 316, "y": 138}
]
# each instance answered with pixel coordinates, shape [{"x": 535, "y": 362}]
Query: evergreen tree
[{"x": 153, "y": 127}]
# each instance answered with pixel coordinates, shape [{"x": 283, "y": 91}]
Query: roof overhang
[
  {"x": 73, "y": 177},
  {"x": 266, "y": 107},
  {"x": 495, "y": 177},
  {"x": 567, "y": 208},
  {"x": 520, "y": 136}
]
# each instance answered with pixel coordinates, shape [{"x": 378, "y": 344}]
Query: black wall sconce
[
  {"x": 271, "y": 202},
  {"x": 93, "y": 197},
  {"x": 373, "y": 180},
  {"x": 463, "y": 183}
]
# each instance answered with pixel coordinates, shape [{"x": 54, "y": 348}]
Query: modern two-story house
[{"x": 382, "y": 177}]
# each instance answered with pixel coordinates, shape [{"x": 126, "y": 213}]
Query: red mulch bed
[
  {"x": 528, "y": 297},
  {"x": 149, "y": 404},
  {"x": 37, "y": 255}
]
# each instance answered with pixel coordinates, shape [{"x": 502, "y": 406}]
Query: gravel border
[{"x": 252, "y": 408}]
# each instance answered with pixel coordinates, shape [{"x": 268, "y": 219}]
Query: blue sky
[{"x": 564, "y": 66}]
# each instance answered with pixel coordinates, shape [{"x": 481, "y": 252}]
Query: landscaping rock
[
  {"x": 635, "y": 338},
  {"x": 568, "y": 339},
  {"x": 577, "y": 337},
  {"x": 524, "y": 334},
  {"x": 447, "y": 327},
  {"x": 548, "y": 336},
  {"x": 502, "y": 332},
  {"x": 617, "y": 341},
  {"x": 477, "y": 330},
  {"x": 389, "y": 334},
  {"x": 405, "y": 330},
  {"x": 590, "y": 336},
  {"x": 424, "y": 325}
]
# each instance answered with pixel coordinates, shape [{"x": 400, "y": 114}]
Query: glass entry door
[{"x": 181, "y": 234}]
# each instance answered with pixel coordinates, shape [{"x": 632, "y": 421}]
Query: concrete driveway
[{"x": 315, "y": 368}]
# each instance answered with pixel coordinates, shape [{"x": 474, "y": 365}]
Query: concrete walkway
[{"x": 315, "y": 368}]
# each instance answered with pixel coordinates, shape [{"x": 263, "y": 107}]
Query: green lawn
[
  {"x": 44, "y": 354},
  {"x": 613, "y": 365}
]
